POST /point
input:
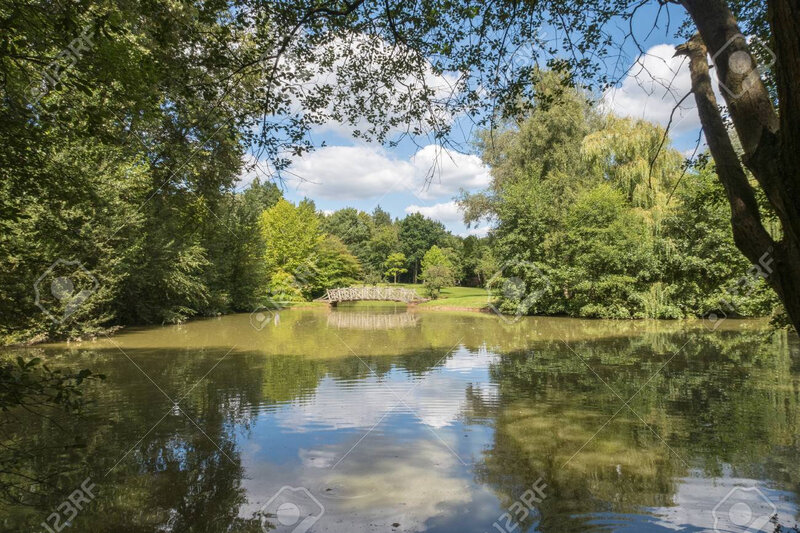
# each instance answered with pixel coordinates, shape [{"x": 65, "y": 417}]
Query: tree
[
  {"x": 244, "y": 254},
  {"x": 583, "y": 227},
  {"x": 436, "y": 278},
  {"x": 459, "y": 37},
  {"x": 334, "y": 266},
  {"x": 381, "y": 217},
  {"x": 608, "y": 253},
  {"x": 395, "y": 264},
  {"x": 417, "y": 234},
  {"x": 705, "y": 266},
  {"x": 353, "y": 227},
  {"x": 437, "y": 271},
  {"x": 292, "y": 236},
  {"x": 185, "y": 120},
  {"x": 384, "y": 241},
  {"x": 487, "y": 266},
  {"x": 770, "y": 143}
]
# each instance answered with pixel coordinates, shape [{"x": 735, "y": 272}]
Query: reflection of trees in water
[
  {"x": 372, "y": 321},
  {"x": 173, "y": 478},
  {"x": 727, "y": 399}
]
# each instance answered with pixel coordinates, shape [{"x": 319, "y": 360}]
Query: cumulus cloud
[
  {"x": 366, "y": 59},
  {"x": 448, "y": 213},
  {"x": 655, "y": 84},
  {"x": 350, "y": 172},
  {"x": 441, "y": 172},
  {"x": 368, "y": 171},
  {"x": 443, "y": 212}
]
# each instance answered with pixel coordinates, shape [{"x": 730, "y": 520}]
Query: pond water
[{"x": 377, "y": 419}]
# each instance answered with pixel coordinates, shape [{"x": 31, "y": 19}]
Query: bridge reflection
[{"x": 357, "y": 320}]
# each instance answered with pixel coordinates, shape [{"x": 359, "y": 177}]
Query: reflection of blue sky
[
  {"x": 697, "y": 497},
  {"x": 408, "y": 470},
  {"x": 417, "y": 465},
  {"x": 438, "y": 397}
]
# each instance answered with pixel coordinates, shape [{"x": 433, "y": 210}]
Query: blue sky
[{"x": 349, "y": 172}]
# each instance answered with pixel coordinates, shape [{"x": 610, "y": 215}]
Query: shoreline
[{"x": 113, "y": 330}]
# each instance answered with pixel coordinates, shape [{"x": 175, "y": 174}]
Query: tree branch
[{"x": 748, "y": 231}]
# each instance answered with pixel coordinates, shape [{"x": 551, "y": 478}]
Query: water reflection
[
  {"x": 345, "y": 319},
  {"x": 429, "y": 421}
]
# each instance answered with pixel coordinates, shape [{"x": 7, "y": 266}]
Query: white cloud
[
  {"x": 368, "y": 171},
  {"x": 655, "y": 84},
  {"x": 350, "y": 172},
  {"x": 369, "y": 56},
  {"x": 442, "y": 172},
  {"x": 444, "y": 212}
]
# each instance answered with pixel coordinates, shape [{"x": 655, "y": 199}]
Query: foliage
[
  {"x": 394, "y": 265},
  {"x": 417, "y": 234},
  {"x": 354, "y": 228},
  {"x": 291, "y": 235},
  {"x": 28, "y": 386},
  {"x": 436, "y": 277},
  {"x": 31, "y": 383},
  {"x": 607, "y": 236},
  {"x": 335, "y": 266},
  {"x": 437, "y": 271}
]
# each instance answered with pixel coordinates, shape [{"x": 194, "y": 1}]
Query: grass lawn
[{"x": 467, "y": 297}]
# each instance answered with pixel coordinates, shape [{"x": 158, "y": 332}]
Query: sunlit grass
[{"x": 464, "y": 297}]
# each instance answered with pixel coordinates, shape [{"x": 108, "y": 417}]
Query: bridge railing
[{"x": 354, "y": 294}]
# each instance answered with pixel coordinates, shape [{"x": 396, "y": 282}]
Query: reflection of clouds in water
[
  {"x": 317, "y": 459},
  {"x": 437, "y": 397},
  {"x": 383, "y": 482},
  {"x": 696, "y": 498},
  {"x": 405, "y": 483}
]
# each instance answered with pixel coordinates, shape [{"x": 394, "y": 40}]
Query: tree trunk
[{"x": 771, "y": 149}]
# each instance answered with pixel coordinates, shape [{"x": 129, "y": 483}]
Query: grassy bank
[{"x": 451, "y": 297}]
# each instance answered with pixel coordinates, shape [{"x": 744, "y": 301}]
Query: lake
[{"x": 379, "y": 419}]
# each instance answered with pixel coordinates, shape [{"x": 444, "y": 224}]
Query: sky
[{"x": 347, "y": 172}]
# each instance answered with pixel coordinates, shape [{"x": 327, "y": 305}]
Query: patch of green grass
[{"x": 467, "y": 297}]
